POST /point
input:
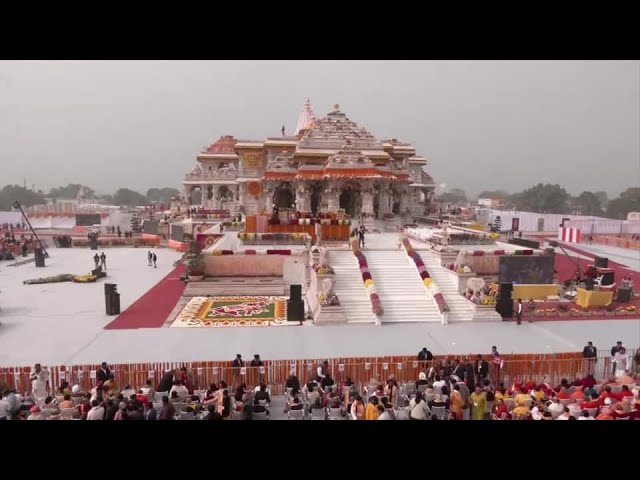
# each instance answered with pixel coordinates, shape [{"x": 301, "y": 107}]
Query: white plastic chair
[
  {"x": 335, "y": 413},
  {"x": 186, "y": 416},
  {"x": 593, "y": 412},
  {"x": 440, "y": 412},
  {"x": 295, "y": 414},
  {"x": 402, "y": 413},
  {"x": 317, "y": 414},
  {"x": 67, "y": 413},
  {"x": 259, "y": 416}
]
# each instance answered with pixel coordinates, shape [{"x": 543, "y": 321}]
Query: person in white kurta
[
  {"x": 621, "y": 361},
  {"x": 39, "y": 381}
]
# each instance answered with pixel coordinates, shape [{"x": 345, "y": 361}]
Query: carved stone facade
[{"x": 331, "y": 164}]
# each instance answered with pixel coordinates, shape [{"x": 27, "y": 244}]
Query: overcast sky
[{"x": 481, "y": 124}]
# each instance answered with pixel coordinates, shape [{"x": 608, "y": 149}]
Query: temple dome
[{"x": 225, "y": 144}]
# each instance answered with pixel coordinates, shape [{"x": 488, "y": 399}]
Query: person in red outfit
[
  {"x": 589, "y": 403},
  {"x": 563, "y": 394},
  {"x": 625, "y": 392},
  {"x": 578, "y": 395},
  {"x": 588, "y": 382},
  {"x": 500, "y": 409}
]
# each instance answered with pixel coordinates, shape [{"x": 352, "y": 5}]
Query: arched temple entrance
[
  {"x": 195, "y": 195},
  {"x": 225, "y": 193},
  {"x": 284, "y": 196},
  {"x": 351, "y": 199},
  {"x": 315, "y": 197}
]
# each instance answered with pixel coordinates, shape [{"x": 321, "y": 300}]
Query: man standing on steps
[
  {"x": 361, "y": 236},
  {"x": 96, "y": 260},
  {"x": 155, "y": 259},
  {"x": 519, "y": 311},
  {"x": 103, "y": 261},
  {"x": 149, "y": 257}
]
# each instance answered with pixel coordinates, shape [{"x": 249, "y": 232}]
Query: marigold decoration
[
  {"x": 376, "y": 304},
  {"x": 424, "y": 275}
]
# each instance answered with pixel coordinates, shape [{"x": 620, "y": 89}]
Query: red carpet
[{"x": 152, "y": 309}]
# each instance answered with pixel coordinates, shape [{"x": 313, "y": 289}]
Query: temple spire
[{"x": 306, "y": 117}]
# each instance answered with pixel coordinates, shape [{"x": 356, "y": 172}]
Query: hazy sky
[{"x": 480, "y": 124}]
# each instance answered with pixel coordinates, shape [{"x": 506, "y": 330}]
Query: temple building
[{"x": 330, "y": 164}]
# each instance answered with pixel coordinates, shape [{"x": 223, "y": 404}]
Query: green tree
[
  {"x": 162, "y": 195},
  {"x": 125, "y": 196},
  {"x": 12, "y": 193},
  {"x": 541, "y": 198},
  {"x": 628, "y": 201},
  {"x": 494, "y": 194},
  {"x": 603, "y": 198},
  {"x": 455, "y": 195},
  {"x": 71, "y": 191},
  {"x": 588, "y": 204}
]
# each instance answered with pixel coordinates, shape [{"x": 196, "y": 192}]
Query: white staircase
[
  {"x": 460, "y": 309},
  {"x": 398, "y": 284},
  {"x": 349, "y": 287}
]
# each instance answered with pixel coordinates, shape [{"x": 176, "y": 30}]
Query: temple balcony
[{"x": 208, "y": 176}]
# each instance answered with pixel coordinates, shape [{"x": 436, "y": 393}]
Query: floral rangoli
[{"x": 233, "y": 312}]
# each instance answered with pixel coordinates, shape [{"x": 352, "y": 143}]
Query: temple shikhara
[{"x": 331, "y": 164}]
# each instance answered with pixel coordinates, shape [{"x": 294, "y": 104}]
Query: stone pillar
[
  {"x": 268, "y": 199},
  {"x": 333, "y": 200},
  {"x": 404, "y": 200},
  {"x": 367, "y": 201},
  {"x": 383, "y": 202},
  {"x": 242, "y": 192},
  {"x": 203, "y": 197}
]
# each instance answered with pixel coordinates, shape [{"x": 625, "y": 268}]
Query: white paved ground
[
  {"x": 62, "y": 324},
  {"x": 51, "y": 322}
]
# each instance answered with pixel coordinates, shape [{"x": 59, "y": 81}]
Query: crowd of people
[
  {"x": 443, "y": 390},
  {"x": 12, "y": 246}
]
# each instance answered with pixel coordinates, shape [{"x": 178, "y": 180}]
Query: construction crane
[{"x": 17, "y": 205}]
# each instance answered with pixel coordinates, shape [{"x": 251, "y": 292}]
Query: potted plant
[
  {"x": 610, "y": 311},
  {"x": 195, "y": 263},
  {"x": 585, "y": 312},
  {"x": 563, "y": 310}
]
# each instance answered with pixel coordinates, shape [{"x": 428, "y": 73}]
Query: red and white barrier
[{"x": 569, "y": 235}]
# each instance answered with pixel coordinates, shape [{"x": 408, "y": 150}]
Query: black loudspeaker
[
  {"x": 506, "y": 289},
  {"x": 295, "y": 311},
  {"x": 110, "y": 288},
  {"x": 113, "y": 304},
  {"x": 505, "y": 308},
  {"x": 295, "y": 293},
  {"x": 601, "y": 262},
  {"x": 624, "y": 295},
  {"x": 39, "y": 254}
]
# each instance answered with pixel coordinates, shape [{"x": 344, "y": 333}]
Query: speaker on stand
[
  {"x": 39, "y": 254},
  {"x": 504, "y": 304},
  {"x": 295, "y": 305},
  {"x": 111, "y": 299},
  {"x": 601, "y": 262}
]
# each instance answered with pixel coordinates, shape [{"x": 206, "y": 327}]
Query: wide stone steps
[
  {"x": 350, "y": 289},
  {"x": 403, "y": 297},
  {"x": 460, "y": 309}
]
